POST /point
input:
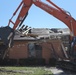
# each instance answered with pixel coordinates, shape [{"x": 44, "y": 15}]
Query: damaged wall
[{"x": 50, "y": 49}]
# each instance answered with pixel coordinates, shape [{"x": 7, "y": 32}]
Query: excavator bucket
[{"x": 6, "y": 36}]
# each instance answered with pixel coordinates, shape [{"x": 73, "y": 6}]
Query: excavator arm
[{"x": 24, "y": 6}]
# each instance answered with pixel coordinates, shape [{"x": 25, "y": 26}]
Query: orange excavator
[
  {"x": 25, "y": 5},
  {"x": 7, "y": 33}
]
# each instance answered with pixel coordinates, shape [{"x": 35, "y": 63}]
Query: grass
[{"x": 25, "y": 71}]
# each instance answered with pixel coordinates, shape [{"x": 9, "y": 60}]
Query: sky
[{"x": 37, "y": 18}]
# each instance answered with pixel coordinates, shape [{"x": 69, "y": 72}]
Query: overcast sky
[{"x": 37, "y": 18}]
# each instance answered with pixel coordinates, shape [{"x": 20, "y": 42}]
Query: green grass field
[{"x": 25, "y": 71}]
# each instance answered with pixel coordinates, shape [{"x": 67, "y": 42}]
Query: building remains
[{"x": 48, "y": 44}]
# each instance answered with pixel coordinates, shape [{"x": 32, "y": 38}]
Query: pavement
[{"x": 58, "y": 71}]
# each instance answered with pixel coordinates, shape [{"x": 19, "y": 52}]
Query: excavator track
[{"x": 67, "y": 65}]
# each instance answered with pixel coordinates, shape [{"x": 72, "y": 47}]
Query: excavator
[{"x": 7, "y": 33}]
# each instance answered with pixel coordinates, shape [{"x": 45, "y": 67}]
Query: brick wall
[
  {"x": 19, "y": 50},
  {"x": 50, "y": 49}
]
